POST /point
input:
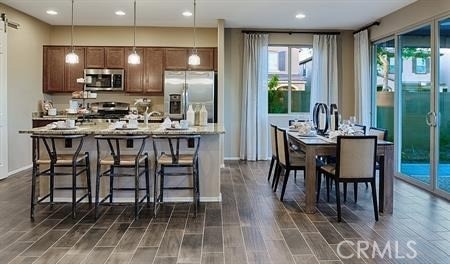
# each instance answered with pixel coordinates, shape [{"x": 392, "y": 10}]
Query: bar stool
[
  {"x": 176, "y": 160},
  {"x": 114, "y": 159},
  {"x": 55, "y": 160}
]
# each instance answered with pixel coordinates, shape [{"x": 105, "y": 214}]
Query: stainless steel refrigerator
[{"x": 184, "y": 88}]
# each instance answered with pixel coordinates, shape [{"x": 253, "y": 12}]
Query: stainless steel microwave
[{"x": 103, "y": 80}]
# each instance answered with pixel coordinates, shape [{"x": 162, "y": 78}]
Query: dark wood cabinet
[
  {"x": 206, "y": 59},
  {"x": 154, "y": 70},
  {"x": 54, "y": 63},
  {"x": 176, "y": 59},
  {"x": 134, "y": 79},
  {"x": 95, "y": 57},
  {"x": 115, "y": 58},
  {"x": 74, "y": 71}
]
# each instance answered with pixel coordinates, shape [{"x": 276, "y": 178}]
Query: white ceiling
[{"x": 320, "y": 14}]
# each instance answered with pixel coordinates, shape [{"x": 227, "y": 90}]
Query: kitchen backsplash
[{"x": 61, "y": 101}]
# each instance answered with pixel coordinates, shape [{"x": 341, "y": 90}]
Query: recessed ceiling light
[
  {"x": 120, "y": 13},
  {"x": 300, "y": 16},
  {"x": 187, "y": 13},
  {"x": 51, "y": 12}
]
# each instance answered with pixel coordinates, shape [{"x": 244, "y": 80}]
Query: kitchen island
[{"x": 209, "y": 159}]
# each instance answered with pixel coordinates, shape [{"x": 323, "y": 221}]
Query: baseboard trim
[
  {"x": 205, "y": 199},
  {"x": 232, "y": 158},
  {"x": 20, "y": 170}
]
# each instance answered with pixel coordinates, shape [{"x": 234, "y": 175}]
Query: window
[
  {"x": 289, "y": 84},
  {"x": 421, "y": 65}
]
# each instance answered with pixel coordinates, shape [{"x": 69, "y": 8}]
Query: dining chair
[
  {"x": 273, "y": 142},
  {"x": 360, "y": 127},
  {"x": 287, "y": 161},
  {"x": 349, "y": 149}
]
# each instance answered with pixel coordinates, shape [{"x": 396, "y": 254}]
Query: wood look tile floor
[{"x": 250, "y": 225}]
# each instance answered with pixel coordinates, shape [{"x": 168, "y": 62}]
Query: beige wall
[
  {"x": 409, "y": 16},
  {"x": 24, "y": 81},
  {"x": 233, "y": 80},
  {"x": 123, "y": 36}
]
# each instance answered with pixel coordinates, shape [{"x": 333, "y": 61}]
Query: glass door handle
[{"x": 431, "y": 119}]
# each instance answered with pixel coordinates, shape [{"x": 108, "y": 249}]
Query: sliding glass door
[
  {"x": 443, "y": 97},
  {"x": 416, "y": 97}
]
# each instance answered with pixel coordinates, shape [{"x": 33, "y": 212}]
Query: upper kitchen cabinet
[
  {"x": 115, "y": 58},
  {"x": 74, "y": 71},
  {"x": 154, "y": 70},
  {"x": 134, "y": 73},
  {"x": 176, "y": 59},
  {"x": 95, "y": 57},
  {"x": 206, "y": 59},
  {"x": 54, "y": 63}
]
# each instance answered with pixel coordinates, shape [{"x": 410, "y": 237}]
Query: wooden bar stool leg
[
  {"x": 161, "y": 191},
  {"x": 155, "y": 198},
  {"x": 88, "y": 178},
  {"x": 198, "y": 183},
  {"x": 52, "y": 183},
  {"x": 136, "y": 191},
  {"x": 74, "y": 190},
  {"x": 111, "y": 184},
  {"x": 147, "y": 181},
  {"x": 33, "y": 190},
  {"x": 97, "y": 189}
]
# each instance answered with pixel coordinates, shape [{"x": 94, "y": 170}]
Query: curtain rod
[
  {"x": 376, "y": 23},
  {"x": 8, "y": 23},
  {"x": 290, "y": 32}
]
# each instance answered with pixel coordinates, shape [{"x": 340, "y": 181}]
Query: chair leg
[
  {"x": 374, "y": 198},
  {"x": 338, "y": 200},
  {"x": 271, "y": 167},
  {"x": 367, "y": 185},
  {"x": 328, "y": 187},
  {"x": 52, "y": 183},
  {"x": 280, "y": 172},
  {"x": 295, "y": 176},
  {"x": 355, "y": 191},
  {"x": 33, "y": 190},
  {"x": 147, "y": 181},
  {"x": 286, "y": 177},
  {"x": 97, "y": 190},
  {"x": 194, "y": 190},
  {"x": 111, "y": 184},
  {"x": 136, "y": 191},
  {"x": 161, "y": 185},
  {"x": 275, "y": 174},
  {"x": 345, "y": 191},
  {"x": 155, "y": 189},
  {"x": 88, "y": 178},
  {"x": 74, "y": 190},
  {"x": 319, "y": 183}
]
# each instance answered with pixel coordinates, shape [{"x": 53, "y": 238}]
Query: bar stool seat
[
  {"x": 63, "y": 159},
  {"x": 184, "y": 159},
  {"x": 125, "y": 160},
  {"x": 77, "y": 161}
]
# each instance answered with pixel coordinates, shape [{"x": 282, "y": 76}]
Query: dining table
[{"x": 316, "y": 145}]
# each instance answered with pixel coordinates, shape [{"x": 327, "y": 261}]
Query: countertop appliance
[
  {"x": 103, "y": 80},
  {"x": 184, "y": 88}
]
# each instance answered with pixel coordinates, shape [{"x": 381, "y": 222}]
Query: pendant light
[
  {"x": 134, "y": 58},
  {"x": 194, "y": 59},
  {"x": 72, "y": 57}
]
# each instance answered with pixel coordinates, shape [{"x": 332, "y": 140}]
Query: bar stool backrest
[
  {"x": 273, "y": 139},
  {"x": 282, "y": 147},
  {"x": 174, "y": 146},
  {"x": 114, "y": 143},
  {"x": 361, "y": 149},
  {"x": 50, "y": 142}
]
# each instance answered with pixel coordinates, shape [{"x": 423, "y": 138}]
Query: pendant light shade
[
  {"x": 72, "y": 57},
  {"x": 134, "y": 58},
  {"x": 194, "y": 59}
]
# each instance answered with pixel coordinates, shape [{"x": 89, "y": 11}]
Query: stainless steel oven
[{"x": 103, "y": 80}]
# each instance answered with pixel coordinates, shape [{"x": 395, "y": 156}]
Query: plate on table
[
  {"x": 177, "y": 128},
  {"x": 126, "y": 128},
  {"x": 64, "y": 128}
]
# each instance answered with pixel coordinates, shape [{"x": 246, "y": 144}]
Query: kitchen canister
[
  {"x": 203, "y": 116},
  {"x": 197, "y": 115},
  {"x": 190, "y": 116}
]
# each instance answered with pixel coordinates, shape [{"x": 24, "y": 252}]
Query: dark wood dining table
[{"x": 322, "y": 146}]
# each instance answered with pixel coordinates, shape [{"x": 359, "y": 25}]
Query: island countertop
[{"x": 104, "y": 129}]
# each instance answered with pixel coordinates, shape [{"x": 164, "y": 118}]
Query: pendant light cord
[
  {"x": 134, "y": 37},
  {"x": 71, "y": 34},
  {"x": 195, "y": 35}
]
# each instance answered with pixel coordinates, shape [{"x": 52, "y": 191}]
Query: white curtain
[
  {"x": 3, "y": 101},
  {"x": 362, "y": 77},
  {"x": 254, "y": 121},
  {"x": 324, "y": 83}
]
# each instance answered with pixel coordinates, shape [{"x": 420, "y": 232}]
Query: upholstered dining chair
[
  {"x": 287, "y": 161},
  {"x": 349, "y": 149},
  {"x": 273, "y": 143}
]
